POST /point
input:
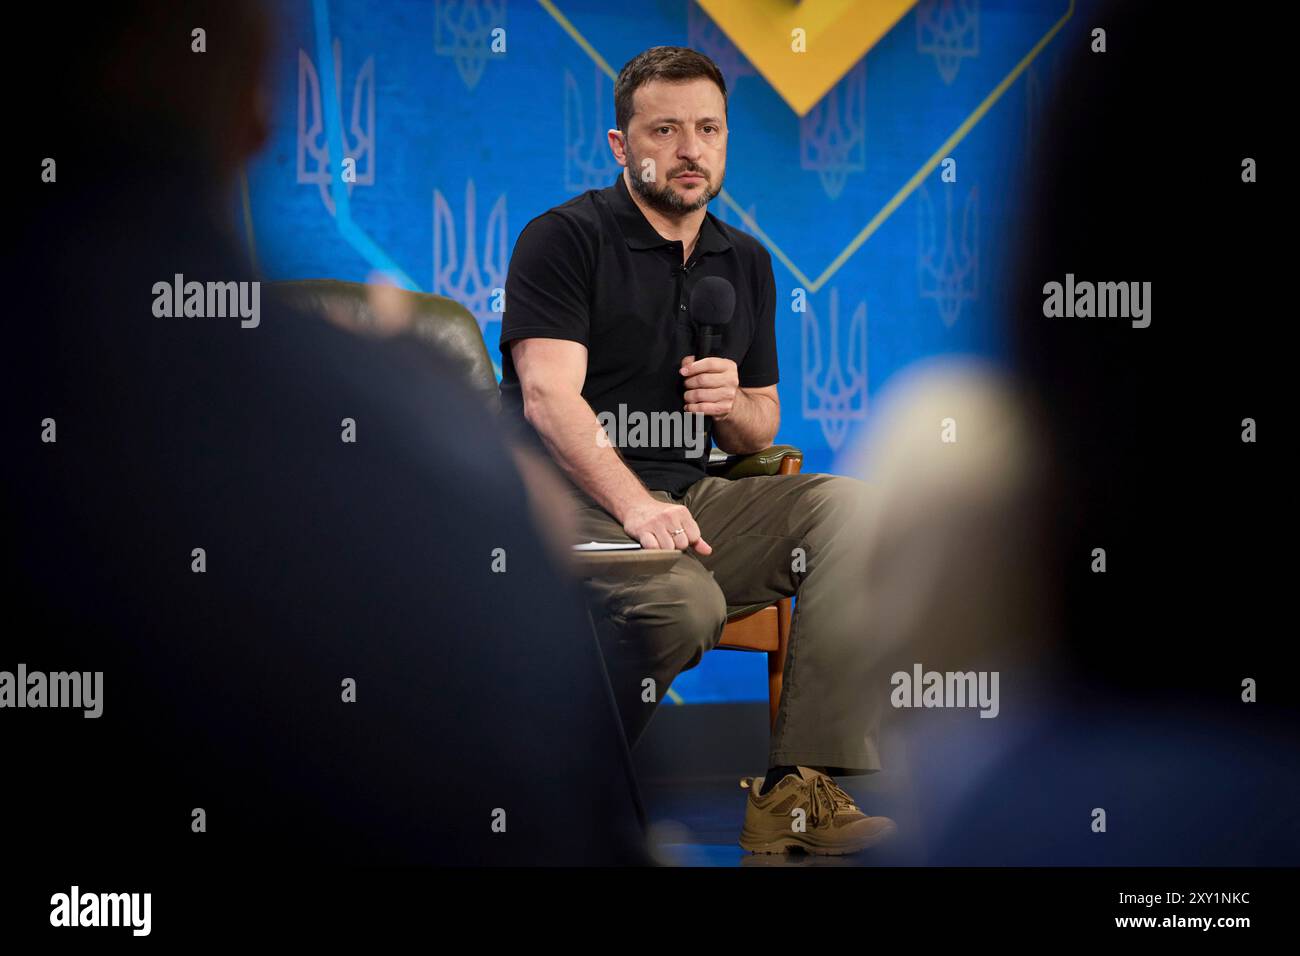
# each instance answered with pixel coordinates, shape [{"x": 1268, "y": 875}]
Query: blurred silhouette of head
[
  {"x": 131, "y": 88},
  {"x": 1130, "y": 431},
  {"x": 1136, "y": 179}
]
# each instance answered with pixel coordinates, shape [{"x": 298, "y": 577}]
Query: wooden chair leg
[
  {"x": 776, "y": 660},
  {"x": 790, "y": 465}
]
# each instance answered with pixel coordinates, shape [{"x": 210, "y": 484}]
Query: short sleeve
[
  {"x": 548, "y": 283},
  {"x": 758, "y": 368}
]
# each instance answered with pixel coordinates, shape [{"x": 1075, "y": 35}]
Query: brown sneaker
[{"x": 830, "y": 823}]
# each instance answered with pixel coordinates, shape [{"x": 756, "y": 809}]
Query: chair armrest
[{"x": 766, "y": 462}]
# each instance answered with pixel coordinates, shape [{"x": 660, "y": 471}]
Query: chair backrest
[{"x": 443, "y": 324}]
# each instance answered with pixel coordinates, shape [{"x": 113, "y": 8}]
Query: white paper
[{"x": 608, "y": 546}]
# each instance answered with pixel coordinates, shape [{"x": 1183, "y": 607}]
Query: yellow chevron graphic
[{"x": 836, "y": 33}]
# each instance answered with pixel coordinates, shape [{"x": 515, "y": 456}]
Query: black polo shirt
[{"x": 593, "y": 270}]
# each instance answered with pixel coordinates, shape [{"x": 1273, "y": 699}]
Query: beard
[{"x": 667, "y": 200}]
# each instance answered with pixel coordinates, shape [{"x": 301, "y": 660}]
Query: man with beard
[{"x": 598, "y": 323}]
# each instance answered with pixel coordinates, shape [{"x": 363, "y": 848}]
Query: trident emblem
[
  {"x": 358, "y": 129},
  {"x": 835, "y": 394}
]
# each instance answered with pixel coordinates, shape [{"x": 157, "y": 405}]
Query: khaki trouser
[{"x": 656, "y": 626}]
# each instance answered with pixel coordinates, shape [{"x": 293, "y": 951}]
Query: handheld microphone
[{"x": 713, "y": 302}]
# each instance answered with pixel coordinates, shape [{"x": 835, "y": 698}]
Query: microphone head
[{"x": 713, "y": 301}]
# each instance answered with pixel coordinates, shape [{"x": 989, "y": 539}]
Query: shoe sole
[{"x": 801, "y": 842}]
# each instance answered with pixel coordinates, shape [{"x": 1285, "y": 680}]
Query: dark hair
[
  {"x": 1134, "y": 417},
  {"x": 129, "y": 76},
  {"x": 674, "y": 64}
]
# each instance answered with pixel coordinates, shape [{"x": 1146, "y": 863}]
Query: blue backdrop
[{"x": 457, "y": 143}]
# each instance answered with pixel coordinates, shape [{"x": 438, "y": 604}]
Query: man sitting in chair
[{"x": 598, "y": 358}]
